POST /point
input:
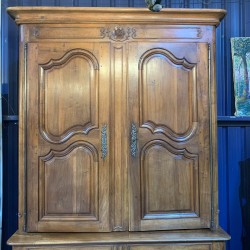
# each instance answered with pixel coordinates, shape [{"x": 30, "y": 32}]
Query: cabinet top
[{"x": 71, "y": 15}]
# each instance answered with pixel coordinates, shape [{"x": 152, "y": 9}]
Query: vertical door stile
[{"x": 119, "y": 72}]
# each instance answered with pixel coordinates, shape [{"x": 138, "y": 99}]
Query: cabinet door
[
  {"x": 67, "y": 88},
  {"x": 169, "y": 123}
]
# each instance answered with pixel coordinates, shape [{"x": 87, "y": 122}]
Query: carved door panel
[
  {"x": 67, "y": 137},
  {"x": 169, "y": 126}
]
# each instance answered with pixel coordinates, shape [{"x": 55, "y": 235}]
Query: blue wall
[{"x": 233, "y": 133}]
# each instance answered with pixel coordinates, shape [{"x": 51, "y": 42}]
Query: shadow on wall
[{"x": 245, "y": 202}]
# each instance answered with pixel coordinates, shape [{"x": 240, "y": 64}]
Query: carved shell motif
[{"x": 118, "y": 33}]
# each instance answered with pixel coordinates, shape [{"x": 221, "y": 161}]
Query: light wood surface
[
  {"x": 68, "y": 182},
  {"x": 172, "y": 116},
  {"x": 109, "y": 15},
  {"x": 192, "y": 246},
  {"x": 41, "y": 239},
  {"x": 117, "y": 129}
]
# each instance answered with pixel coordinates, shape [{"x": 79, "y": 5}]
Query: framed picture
[{"x": 240, "y": 47}]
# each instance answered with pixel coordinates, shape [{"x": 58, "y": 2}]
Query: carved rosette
[{"x": 118, "y": 33}]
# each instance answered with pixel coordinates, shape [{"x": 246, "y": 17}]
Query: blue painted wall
[{"x": 233, "y": 134}]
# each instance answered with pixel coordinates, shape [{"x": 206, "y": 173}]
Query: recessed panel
[
  {"x": 69, "y": 183},
  {"x": 169, "y": 181},
  {"x": 167, "y": 93},
  {"x": 68, "y": 96}
]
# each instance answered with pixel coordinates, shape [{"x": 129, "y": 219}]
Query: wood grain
[
  {"x": 115, "y": 15},
  {"x": 181, "y": 236},
  {"x": 85, "y": 69},
  {"x": 172, "y": 120},
  {"x": 174, "y": 247},
  {"x": 64, "y": 137}
]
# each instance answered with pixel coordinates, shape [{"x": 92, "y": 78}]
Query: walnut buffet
[{"x": 117, "y": 131}]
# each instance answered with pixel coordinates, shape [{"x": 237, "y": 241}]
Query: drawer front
[
  {"x": 173, "y": 247},
  {"x": 180, "y": 246},
  {"x": 66, "y": 248}
]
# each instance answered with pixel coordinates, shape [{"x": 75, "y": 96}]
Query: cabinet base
[{"x": 163, "y": 240}]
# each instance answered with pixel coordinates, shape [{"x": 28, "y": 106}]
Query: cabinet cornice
[{"x": 72, "y": 15}]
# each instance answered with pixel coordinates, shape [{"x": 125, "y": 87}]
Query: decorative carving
[
  {"x": 178, "y": 153},
  {"x": 133, "y": 140},
  {"x": 155, "y": 112},
  {"x": 69, "y": 55},
  {"x": 76, "y": 145},
  {"x": 118, "y": 33},
  {"x": 157, "y": 128},
  {"x": 35, "y": 32},
  {"x": 168, "y": 33},
  {"x": 118, "y": 229},
  {"x": 85, "y": 118},
  {"x": 182, "y": 62},
  {"x": 104, "y": 142},
  {"x": 199, "y": 32}
]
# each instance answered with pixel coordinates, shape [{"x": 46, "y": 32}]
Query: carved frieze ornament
[{"x": 118, "y": 33}]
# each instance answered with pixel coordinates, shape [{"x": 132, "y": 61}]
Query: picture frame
[{"x": 240, "y": 48}]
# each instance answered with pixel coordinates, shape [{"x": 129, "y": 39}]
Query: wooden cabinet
[{"x": 117, "y": 129}]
